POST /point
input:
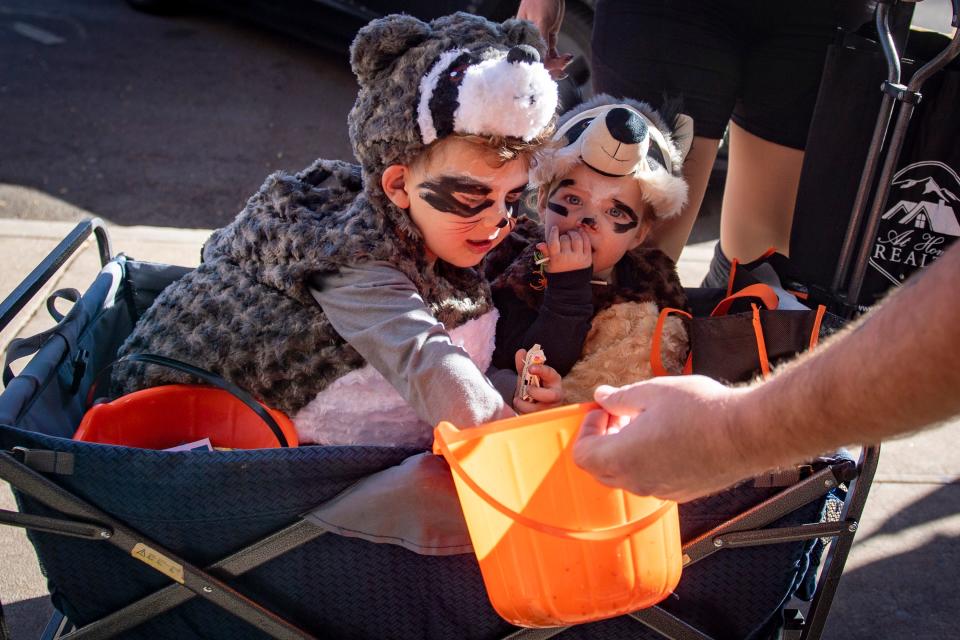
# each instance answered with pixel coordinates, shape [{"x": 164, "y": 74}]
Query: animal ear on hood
[
  {"x": 382, "y": 41},
  {"x": 523, "y": 32}
]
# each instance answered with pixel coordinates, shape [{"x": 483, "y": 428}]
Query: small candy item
[{"x": 526, "y": 379}]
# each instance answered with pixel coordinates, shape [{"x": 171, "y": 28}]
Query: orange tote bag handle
[{"x": 656, "y": 357}]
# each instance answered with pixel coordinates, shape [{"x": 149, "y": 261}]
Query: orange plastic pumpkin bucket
[
  {"x": 168, "y": 416},
  {"x": 555, "y": 546}
]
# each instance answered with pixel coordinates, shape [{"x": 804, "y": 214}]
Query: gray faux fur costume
[{"x": 246, "y": 312}]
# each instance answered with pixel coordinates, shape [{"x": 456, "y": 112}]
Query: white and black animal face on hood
[
  {"x": 491, "y": 92},
  {"x": 622, "y": 137}
]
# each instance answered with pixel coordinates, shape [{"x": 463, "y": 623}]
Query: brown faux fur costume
[{"x": 617, "y": 348}]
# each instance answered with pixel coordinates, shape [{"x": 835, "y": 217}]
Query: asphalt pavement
[{"x": 156, "y": 120}]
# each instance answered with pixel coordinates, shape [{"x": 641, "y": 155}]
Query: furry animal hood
[
  {"x": 622, "y": 137},
  {"x": 421, "y": 81}
]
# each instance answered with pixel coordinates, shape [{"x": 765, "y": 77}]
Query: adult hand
[
  {"x": 668, "y": 437},
  {"x": 547, "y": 396},
  {"x": 547, "y": 16},
  {"x": 571, "y": 251}
]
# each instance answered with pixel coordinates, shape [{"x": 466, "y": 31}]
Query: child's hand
[
  {"x": 548, "y": 396},
  {"x": 568, "y": 252}
]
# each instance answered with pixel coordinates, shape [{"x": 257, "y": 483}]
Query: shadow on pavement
[
  {"x": 28, "y": 618},
  {"x": 942, "y": 503},
  {"x": 907, "y": 594}
]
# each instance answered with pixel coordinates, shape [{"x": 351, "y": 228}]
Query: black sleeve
[{"x": 560, "y": 326}]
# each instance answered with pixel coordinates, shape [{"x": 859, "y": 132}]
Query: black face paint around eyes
[
  {"x": 448, "y": 204},
  {"x": 624, "y": 227},
  {"x": 440, "y": 196},
  {"x": 455, "y": 184},
  {"x": 558, "y": 209},
  {"x": 566, "y": 182}
]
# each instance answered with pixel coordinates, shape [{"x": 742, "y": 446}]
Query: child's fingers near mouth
[
  {"x": 587, "y": 244},
  {"x": 554, "y": 240},
  {"x": 576, "y": 241}
]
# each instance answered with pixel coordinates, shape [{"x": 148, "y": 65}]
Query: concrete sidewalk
[{"x": 900, "y": 577}]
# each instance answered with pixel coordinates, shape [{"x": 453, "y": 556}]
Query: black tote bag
[{"x": 742, "y": 332}]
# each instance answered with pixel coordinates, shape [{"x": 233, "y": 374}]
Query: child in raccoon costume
[
  {"x": 345, "y": 295},
  {"x": 583, "y": 287}
]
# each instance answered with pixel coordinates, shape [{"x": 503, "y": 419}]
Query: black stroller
[{"x": 289, "y": 542}]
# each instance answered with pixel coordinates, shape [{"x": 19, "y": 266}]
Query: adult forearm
[
  {"x": 894, "y": 371},
  {"x": 686, "y": 436}
]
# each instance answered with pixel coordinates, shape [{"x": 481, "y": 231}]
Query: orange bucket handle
[
  {"x": 607, "y": 533},
  {"x": 208, "y": 377}
]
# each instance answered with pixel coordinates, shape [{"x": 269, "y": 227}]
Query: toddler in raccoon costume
[
  {"x": 582, "y": 286},
  {"x": 345, "y": 295}
]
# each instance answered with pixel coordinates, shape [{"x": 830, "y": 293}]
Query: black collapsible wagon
[{"x": 292, "y": 542}]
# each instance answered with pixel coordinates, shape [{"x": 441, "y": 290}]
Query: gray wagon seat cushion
[{"x": 413, "y": 505}]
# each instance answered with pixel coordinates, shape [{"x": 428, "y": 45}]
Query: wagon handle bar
[
  {"x": 25, "y": 291},
  {"x": 872, "y": 161},
  {"x": 945, "y": 57}
]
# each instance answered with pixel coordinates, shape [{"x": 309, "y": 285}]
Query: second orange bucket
[
  {"x": 170, "y": 415},
  {"x": 555, "y": 546}
]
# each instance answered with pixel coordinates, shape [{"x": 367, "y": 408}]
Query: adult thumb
[
  {"x": 590, "y": 442},
  {"x": 594, "y": 424},
  {"x": 622, "y": 401}
]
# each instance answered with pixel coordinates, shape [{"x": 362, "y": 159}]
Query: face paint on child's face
[
  {"x": 625, "y": 227},
  {"x": 441, "y": 194},
  {"x": 606, "y": 207},
  {"x": 462, "y": 201},
  {"x": 556, "y": 207}
]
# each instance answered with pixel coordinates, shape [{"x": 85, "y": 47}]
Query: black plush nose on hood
[
  {"x": 523, "y": 53},
  {"x": 626, "y": 126}
]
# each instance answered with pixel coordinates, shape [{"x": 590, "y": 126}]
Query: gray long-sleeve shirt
[{"x": 379, "y": 312}]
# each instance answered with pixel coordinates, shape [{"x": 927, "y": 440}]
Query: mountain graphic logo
[
  {"x": 921, "y": 219},
  {"x": 924, "y": 197}
]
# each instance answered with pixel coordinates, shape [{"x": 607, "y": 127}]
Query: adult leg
[
  {"x": 661, "y": 50},
  {"x": 782, "y": 68},
  {"x": 759, "y": 195}
]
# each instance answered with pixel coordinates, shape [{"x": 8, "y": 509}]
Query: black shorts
[{"x": 757, "y": 62}]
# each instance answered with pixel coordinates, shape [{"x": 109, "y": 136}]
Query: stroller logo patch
[
  {"x": 158, "y": 561},
  {"x": 922, "y": 218}
]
